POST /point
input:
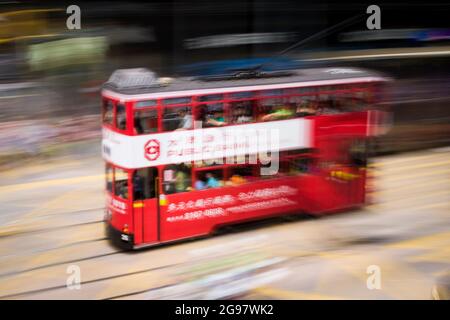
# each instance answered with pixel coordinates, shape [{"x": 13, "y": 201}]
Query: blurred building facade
[{"x": 48, "y": 71}]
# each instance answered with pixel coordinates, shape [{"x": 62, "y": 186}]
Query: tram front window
[
  {"x": 121, "y": 183},
  {"x": 121, "y": 117},
  {"x": 109, "y": 178},
  {"x": 108, "y": 112}
]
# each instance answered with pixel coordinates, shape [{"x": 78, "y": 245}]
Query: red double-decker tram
[{"x": 185, "y": 156}]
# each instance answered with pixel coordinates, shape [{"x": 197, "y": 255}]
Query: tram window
[
  {"x": 242, "y": 95},
  {"x": 358, "y": 151},
  {"x": 275, "y": 92},
  {"x": 108, "y": 112},
  {"x": 145, "y": 121},
  {"x": 179, "y": 118},
  {"x": 109, "y": 178},
  {"x": 211, "y": 97},
  {"x": 242, "y": 111},
  {"x": 327, "y": 105},
  {"x": 121, "y": 183},
  {"x": 121, "y": 117},
  {"x": 345, "y": 103},
  {"x": 209, "y": 179},
  {"x": 361, "y": 100},
  {"x": 145, "y": 104},
  {"x": 300, "y": 165},
  {"x": 339, "y": 102},
  {"x": 303, "y": 90},
  {"x": 211, "y": 115},
  {"x": 183, "y": 100},
  {"x": 177, "y": 178},
  {"x": 276, "y": 109},
  {"x": 144, "y": 183}
]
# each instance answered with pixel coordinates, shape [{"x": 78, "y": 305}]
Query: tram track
[
  {"x": 230, "y": 230},
  {"x": 40, "y": 251},
  {"x": 53, "y": 246},
  {"x": 28, "y": 225},
  {"x": 59, "y": 264},
  {"x": 148, "y": 253},
  {"x": 51, "y": 238},
  {"x": 48, "y": 229},
  {"x": 29, "y": 294},
  {"x": 83, "y": 283},
  {"x": 165, "y": 267}
]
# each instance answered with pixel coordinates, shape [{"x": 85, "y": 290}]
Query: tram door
[{"x": 146, "y": 205}]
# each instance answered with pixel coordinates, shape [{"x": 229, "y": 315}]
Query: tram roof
[{"x": 185, "y": 86}]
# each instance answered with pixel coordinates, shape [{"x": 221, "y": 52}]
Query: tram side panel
[{"x": 204, "y": 211}]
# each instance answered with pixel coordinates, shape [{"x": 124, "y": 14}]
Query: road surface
[{"x": 51, "y": 232}]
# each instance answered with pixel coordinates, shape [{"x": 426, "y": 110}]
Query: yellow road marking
[
  {"x": 50, "y": 183},
  {"x": 390, "y": 191},
  {"x": 292, "y": 295},
  {"x": 436, "y": 205},
  {"x": 55, "y": 206},
  {"x": 36, "y": 168},
  {"x": 442, "y": 238},
  {"x": 418, "y": 175},
  {"x": 378, "y": 206},
  {"x": 435, "y": 255},
  {"x": 406, "y": 168},
  {"x": 422, "y": 196},
  {"x": 384, "y": 163}
]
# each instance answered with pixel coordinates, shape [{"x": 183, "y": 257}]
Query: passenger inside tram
[
  {"x": 215, "y": 118},
  {"x": 329, "y": 107},
  {"x": 121, "y": 187},
  {"x": 242, "y": 112},
  {"x": 182, "y": 181},
  {"x": 138, "y": 187},
  {"x": 236, "y": 180},
  {"x": 185, "y": 119},
  {"x": 211, "y": 181},
  {"x": 177, "y": 178},
  {"x": 280, "y": 112},
  {"x": 108, "y": 113},
  {"x": 121, "y": 117},
  {"x": 240, "y": 175},
  {"x": 145, "y": 121},
  {"x": 199, "y": 184},
  {"x": 121, "y": 183},
  {"x": 211, "y": 115},
  {"x": 207, "y": 180},
  {"x": 137, "y": 124}
]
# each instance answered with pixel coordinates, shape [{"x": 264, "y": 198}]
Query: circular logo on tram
[{"x": 151, "y": 150}]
